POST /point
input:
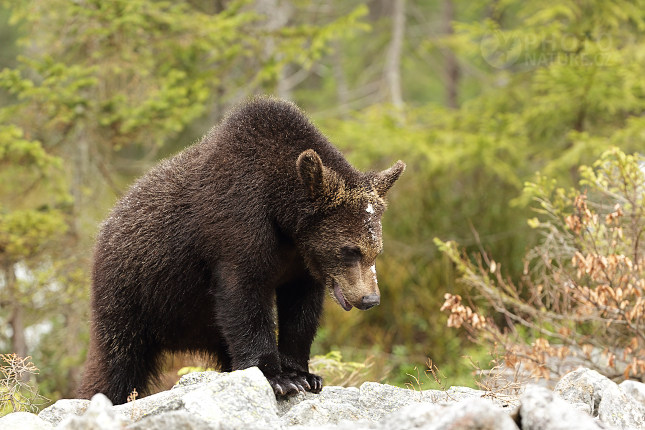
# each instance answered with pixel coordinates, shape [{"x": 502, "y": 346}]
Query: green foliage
[
  {"x": 448, "y": 185},
  {"x": 24, "y": 233},
  {"x": 14, "y": 149},
  {"x": 127, "y": 72},
  {"x": 340, "y": 373},
  {"x": 305, "y": 44},
  {"x": 33, "y": 225},
  {"x": 575, "y": 87}
]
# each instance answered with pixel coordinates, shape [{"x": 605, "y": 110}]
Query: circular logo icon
[{"x": 501, "y": 49}]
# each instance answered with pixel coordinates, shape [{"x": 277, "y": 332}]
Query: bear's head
[{"x": 344, "y": 234}]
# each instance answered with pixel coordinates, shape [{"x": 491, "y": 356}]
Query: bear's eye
[{"x": 351, "y": 254}]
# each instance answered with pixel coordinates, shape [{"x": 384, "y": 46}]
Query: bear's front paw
[{"x": 291, "y": 383}]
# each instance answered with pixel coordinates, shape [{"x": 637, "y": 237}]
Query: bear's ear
[
  {"x": 384, "y": 180},
  {"x": 311, "y": 173}
]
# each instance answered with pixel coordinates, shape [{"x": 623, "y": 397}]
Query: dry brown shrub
[
  {"x": 580, "y": 301},
  {"x": 16, "y": 392}
]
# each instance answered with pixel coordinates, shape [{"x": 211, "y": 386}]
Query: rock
[
  {"x": 412, "y": 416},
  {"x": 452, "y": 395},
  {"x": 244, "y": 400},
  {"x": 100, "y": 415},
  {"x": 361, "y": 424},
  {"x": 160, "y": 403},
  {"x": 634, "y": 389},
  {"x": 317, "y": 412},
  {"x": 176, "y": 420},
  {"x": 284, "y": 404},
  {"x": 166, "y": 401},
  {"x": 196, "y": 378},
  {"x": 457, "y": 394},
  {"x": 238, "y": 399},
  {"x": 335, "y": 394},
  {"x": 469, "y": 414},
  {"x": 473, "y": 413},
  {"x": 371, "y": 402},
  {"x": 23, "y": 421},
  {"x": 603, "y": 398},
  {"x": 60, "y": 410},
  {"x": 542, "y": 409},
  {"x": 380, "y": 399},
  {"x": 330, "y": 406}
]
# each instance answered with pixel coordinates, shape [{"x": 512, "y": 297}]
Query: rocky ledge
[{"x": 582, "y": 400}]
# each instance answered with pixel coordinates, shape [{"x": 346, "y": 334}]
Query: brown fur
[{"x": 263, "y": 210}]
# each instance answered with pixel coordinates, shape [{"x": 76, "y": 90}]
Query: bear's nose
[{"x": 370, "y": 301}]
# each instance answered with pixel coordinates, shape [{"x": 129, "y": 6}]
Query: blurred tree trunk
[
  {"x": 342, "y": 90},
  {"x": 451, "y": 68},
  {"x": 393, "y": 59},
  {"x": 17, "y": 313},
  {"x": 284, "y": 86},
  {"x": 73, "y": 325},
  {"x": 80, "y": 180},
  {"x": 491, "y": 11},
  {"x": 278, "y": 13}
]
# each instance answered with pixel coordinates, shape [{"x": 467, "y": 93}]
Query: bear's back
[
  {"x": 244, "y": 169},
  {"x": 269, "y": 134}
]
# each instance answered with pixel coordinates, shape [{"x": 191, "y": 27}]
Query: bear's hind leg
[
  {"x": 117, "y": 374},
  {"x": 224, "y": 358}
]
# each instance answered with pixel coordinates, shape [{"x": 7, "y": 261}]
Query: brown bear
[{"x": 264, "y": 214}]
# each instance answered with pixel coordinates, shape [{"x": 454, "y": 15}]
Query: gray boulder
[
  {"x": 23, "y": 421},
  {"x": 370, "y": 403},
  {"x": 100, "y": 415},
  {"x": 244, "y": 400},
  {"x": 377, "y": 400},
  {"x": 164, "y": 401},
  {"x": 234, "y": 400},
  {"x": 285, "y": 404},
  {"x": 469, "y": 414},
  {"x": 63, "y": 408},
  {"x": 238, "y": 399},
  {"x": 542, "y": 409},
  {"x": 457, "y": 394},
  {"x": 332, "y": 405},
  {"x": 197, "y": 378},
  {"x": 175, "y": 420},
  {"x": 634, "y": 389},
  {"x": 602, "y": 398}
]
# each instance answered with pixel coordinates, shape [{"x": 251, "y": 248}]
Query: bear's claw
[
  {"x": 292, "y": 383},
  {"x": 316, "y": 383}
]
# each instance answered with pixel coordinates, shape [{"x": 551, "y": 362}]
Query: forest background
[{"x": 475, "y": 96}]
